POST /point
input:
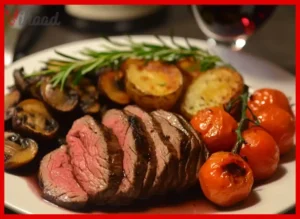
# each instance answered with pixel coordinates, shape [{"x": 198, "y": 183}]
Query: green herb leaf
[
  {"x": 66, "y": 56},
  {"x": 209, "y": 62}
]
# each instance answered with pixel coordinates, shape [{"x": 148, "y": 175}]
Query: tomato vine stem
[{"x": 243, "y": 121}]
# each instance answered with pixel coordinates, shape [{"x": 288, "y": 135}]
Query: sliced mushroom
[
  {"x": 34, "y": 90},
  {"x": 11, "y": 100},
  {"x": 28, "y": 86},
  {"x": 32, "y": 118},
  {"x": 18, "y": 151},
  {"x": 64, "y": 100},
  {"x": 89, "y": 96},
  {"x": 20, "y": 81},
  {"x": 111, "y": 83}
]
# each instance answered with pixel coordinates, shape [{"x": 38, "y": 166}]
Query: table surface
[{"x": 275, "y": 41}]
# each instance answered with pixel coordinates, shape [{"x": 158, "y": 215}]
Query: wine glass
[{"x": 231, "y": 25}]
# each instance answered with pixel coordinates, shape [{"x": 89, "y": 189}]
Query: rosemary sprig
[{"x": 61, "y": 69}]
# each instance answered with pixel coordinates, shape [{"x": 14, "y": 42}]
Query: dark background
[{"x": 275, "y": 41}]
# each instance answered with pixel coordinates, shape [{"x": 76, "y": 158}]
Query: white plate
[{"x": 276, "y": 196}]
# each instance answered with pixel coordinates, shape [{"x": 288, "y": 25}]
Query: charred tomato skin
[
  {"x": 226, "y": 179},
  {"x": 217, "y": 128},
  {"x": 279, "y": 124},
  {"x": 261, "y": 152}
]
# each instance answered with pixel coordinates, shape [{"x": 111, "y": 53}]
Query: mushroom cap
[
  {"x": 64, "y": 100},
  {"x": 32, "y": 118},
  {"x": 18, "y": 151}
]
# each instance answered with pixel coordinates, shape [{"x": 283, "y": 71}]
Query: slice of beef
[
  {"x": 133, "y": 141},
  {"x": 151, "y": 162},
  {"x": 181, "y": 144},
  {"x": 58, "y": 183},
  {"x": 195, "y": 159},
  {"x": 97, "y": 159},
  {"x": 166, "y": 155},
  {"x": 193, "y": 146}
]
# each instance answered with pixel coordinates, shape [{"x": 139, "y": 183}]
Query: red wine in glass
[{"x": 232, "y": 24}]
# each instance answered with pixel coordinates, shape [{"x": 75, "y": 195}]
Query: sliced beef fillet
[
  {"x": 58, "y": 183},
  {"x": 166, "y": 155},
  {"x": 151, "y": 163},
  {"x": 97, "y": 159},
  {"x": 194, "y": 146},
  {"x": 132, "y": 139},
  {"x": 182, "y": 146},
  {"x": 195, "y": 159}
]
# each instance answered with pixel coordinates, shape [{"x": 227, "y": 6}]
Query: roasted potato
[
  {"x": 137, "y": 62},
  {"x": 111, "y": 83},
  {"x": 215, "y": 87},
  {"x": 153, "y": 85},
  {"x": 189, "y": 67}
]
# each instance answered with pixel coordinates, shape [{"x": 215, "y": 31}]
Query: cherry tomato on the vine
[
  {"x": 226, "y": 178},
  {"x": 261, "y": 152},
  {"x": 279, "y": 124},
  {"x": 217, "y": 128},
  {"x": 267, "y": 96}
]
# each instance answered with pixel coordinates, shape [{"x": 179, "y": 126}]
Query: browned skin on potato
[
  {"x": 215, "y": 87},
  {"x": 153, "y": 85}
]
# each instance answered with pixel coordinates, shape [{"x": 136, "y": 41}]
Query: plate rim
[
  {"x": 77, "y": 43},
  {"x": 146, "y": 36}
]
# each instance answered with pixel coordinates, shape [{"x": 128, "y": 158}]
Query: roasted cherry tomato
[
  {"x": 226, "y": 178},
  {"x": 217, "y": 128},
  {"x": 279, "y": 124},
  {"x": 261, "y": 152},
  {"x": 267, "y": 96}
]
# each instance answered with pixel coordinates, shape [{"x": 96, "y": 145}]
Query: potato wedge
[
  {"x": 214, "y": 87},
  {"x": 153, "y": 85}
]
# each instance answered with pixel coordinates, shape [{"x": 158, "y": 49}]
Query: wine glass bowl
[{"x": 231, "y": 25}]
